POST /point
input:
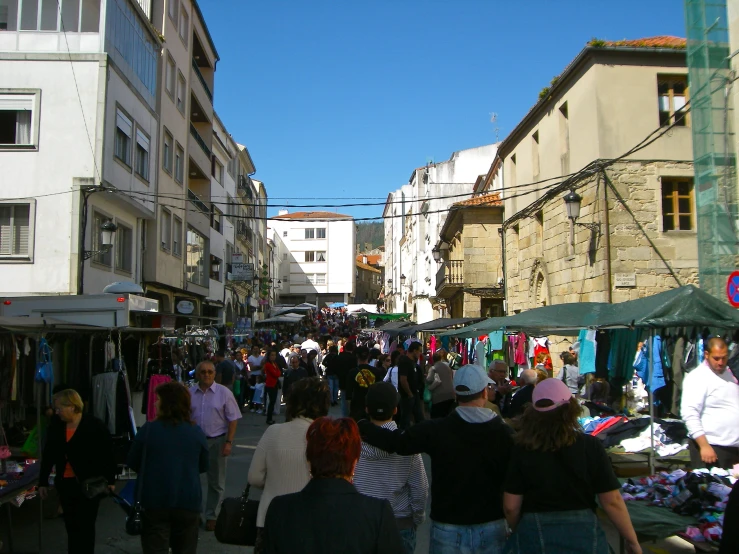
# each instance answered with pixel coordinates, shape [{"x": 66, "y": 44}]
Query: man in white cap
[{"x": 469, "y": 451}]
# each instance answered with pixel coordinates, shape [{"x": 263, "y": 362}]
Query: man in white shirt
[
  {"x": 286, "y": 351},
  {"x": 710, "y": 409},
  {"x": 255, "y": 360},
  {"x": 310, "y": 344}
]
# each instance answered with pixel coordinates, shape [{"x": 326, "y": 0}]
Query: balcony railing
[
  {"x": 450, "y": 273},
  {"x": 202, "y": 80},
  {"x": 199, "y": 204},
  {"x": 244, "y": 185},
  {"x": 199, "y": 140}
]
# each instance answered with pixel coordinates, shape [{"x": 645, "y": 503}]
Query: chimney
[
  {"x": 282, "y": 212},
  {"x": 364, "y": 260}
]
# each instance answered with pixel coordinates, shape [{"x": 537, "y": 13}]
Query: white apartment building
[
  {"x": 78, "y": 110},
  {"x": 318, "y": 259},
  {"x": 413, "y": 217}
]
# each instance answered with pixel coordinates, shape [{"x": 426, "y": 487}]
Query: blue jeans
[
  {"x": 333, "y": 386},
  {"x": 408, "y": 537},
  {"x": 484, "y": 538},
  {"x": 344, "y": 404},
  {"x": 573, "y": 532}
]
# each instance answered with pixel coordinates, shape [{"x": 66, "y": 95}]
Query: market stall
[
  {"x": 40, "y": 354},
  {"x": 638, "y": 326}
]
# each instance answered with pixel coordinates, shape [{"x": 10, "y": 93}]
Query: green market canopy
[{"x": 685, "y": 306}]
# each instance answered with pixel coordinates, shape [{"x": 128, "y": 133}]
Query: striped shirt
[{"x": 400, "y": 479}]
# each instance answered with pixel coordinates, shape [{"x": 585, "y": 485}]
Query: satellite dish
[{"x": 123, "y": 287}]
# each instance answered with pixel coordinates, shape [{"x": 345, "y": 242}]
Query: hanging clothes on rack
[
  {"x": 586, "y": 357},
  {"x": 154, "y": 382},
  {"x": 104, "y": 388}
]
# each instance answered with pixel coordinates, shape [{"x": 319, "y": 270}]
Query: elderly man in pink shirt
[{"x": 216, "y": 411}]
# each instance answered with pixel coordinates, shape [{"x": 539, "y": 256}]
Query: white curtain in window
[
  {"x": 21, "y": 230},
  {"x": 23, "y": 127},
  {"x": 5, "y": 230}
]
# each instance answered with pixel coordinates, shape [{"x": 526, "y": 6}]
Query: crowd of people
[{"x": 511, "y": 470}]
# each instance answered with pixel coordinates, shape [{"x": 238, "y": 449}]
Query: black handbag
[
  {"x": 237, "y": 520},
  {"x": 95, "y": 487}
]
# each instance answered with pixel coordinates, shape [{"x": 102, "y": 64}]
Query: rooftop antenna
[{"x": 494, "y": 121}]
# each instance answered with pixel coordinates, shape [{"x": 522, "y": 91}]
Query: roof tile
[
  {"x": 492, "y": 199},
  {"x": 372, "y": 259},
  {"x": 663, "y": 41},
  {"x": 366, "y": 267}
]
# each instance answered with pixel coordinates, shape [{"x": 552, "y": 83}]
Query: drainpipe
[
  {"x": 609, "y": 275},
  {"x": 505, "y": 276}
]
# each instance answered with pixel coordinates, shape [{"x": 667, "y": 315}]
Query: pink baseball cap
[{"x": 551, "y": 389}]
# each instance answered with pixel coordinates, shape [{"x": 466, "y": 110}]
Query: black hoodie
[{"x": 469, "y": 462}]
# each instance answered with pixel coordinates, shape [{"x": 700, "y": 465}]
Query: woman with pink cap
[{"x": 555, "y": 474}]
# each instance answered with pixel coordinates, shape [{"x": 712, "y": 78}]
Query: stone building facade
[
  {"x": 623, "y": 253},
  {"x": 612, "y": 129},
  {"x": 470, "y": 273}
]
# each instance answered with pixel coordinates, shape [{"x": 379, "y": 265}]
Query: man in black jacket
[
  {"x": 408, "y": 386},
  {"x": 346, "y": 368},
  {"x": 364, "y": 377},
  {"x": 469, "y": 451}
]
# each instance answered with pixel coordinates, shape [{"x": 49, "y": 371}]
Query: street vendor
[{"x": 710, "y": 408}]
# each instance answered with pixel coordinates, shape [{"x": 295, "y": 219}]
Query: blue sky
[{"x": 343, "y": 99}]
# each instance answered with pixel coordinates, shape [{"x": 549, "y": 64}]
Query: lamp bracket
[
  {"x": 87, "y": 254},
  {"x": 591, "y": 226}
]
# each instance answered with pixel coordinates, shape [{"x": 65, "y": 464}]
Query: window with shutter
[
  {"x": 123, "y": 136},
  {"x": 166, "y": 232},
  {"x": 142, "y": 155},
  {"x": 15, "y": 230},
  {"x": 177, "y": 237}
]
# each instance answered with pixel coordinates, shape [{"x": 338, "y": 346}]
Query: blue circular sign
[{"x": 732, "y": 289}]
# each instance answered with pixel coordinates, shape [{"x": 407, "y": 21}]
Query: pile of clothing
[
  {"x": 634, "y": 434},
  {"x": 700, "y": 493}
]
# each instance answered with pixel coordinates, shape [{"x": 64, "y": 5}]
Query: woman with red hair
[{"x": 329, "y": 515}]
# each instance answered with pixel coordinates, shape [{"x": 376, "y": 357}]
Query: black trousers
[
  {"x": 272, "y": 394},
  {"x": 80, "y": 515},
  {"x": 165, "y": 529},
  {"x": 442, "y": 409},
  {"x": 410, "y": 408},
  {"x": 727, "y": 456}
]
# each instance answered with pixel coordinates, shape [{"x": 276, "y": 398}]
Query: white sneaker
[
  {"x": 260, "y": 412},
  {"x": 252, "y": 410}
]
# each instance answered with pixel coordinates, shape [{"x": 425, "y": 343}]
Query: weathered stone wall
[
  {"x": 482, "y": 254},
  {"x": 479, "y": 246},
  {"x": 541, "y": 270}
]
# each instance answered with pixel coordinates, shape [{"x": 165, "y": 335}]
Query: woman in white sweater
[{"x": 279, "y": 465}]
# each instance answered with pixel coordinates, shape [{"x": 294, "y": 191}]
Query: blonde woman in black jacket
[{"x": 81, "y": 448}]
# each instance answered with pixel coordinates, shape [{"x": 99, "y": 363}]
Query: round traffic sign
[{"x": 732, "y": 289}]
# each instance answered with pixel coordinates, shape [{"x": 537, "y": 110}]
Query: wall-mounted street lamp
[
  {"x": 107, "y": 230},
  {"x": 402, "y": 280},
  {"x": 436, "y": 253},
  {"x": 572, "y": 205}
]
